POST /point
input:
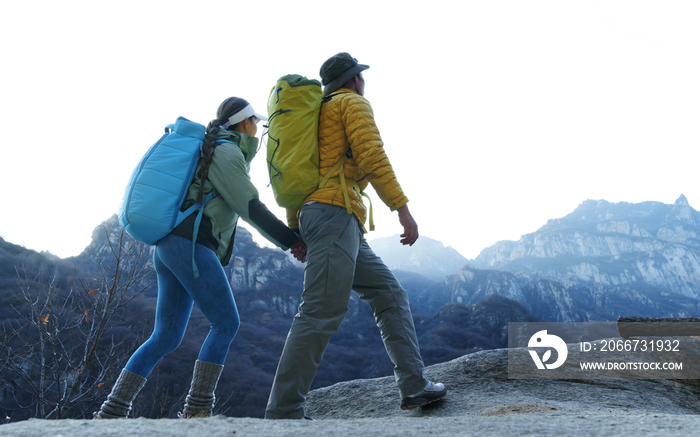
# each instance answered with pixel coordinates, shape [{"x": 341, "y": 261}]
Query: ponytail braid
[
  {"x": 206, "y": 153},
  {"x": 228, "y": 108}
]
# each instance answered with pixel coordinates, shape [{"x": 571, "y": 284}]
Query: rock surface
[
  {"x": 478, "y": 385},
  {"x": 481, "y": 401}
]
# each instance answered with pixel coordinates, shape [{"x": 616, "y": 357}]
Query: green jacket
[{"x": 229, "y": 173}]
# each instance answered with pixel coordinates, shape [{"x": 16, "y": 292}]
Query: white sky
[{"x": 497, "y": 115}]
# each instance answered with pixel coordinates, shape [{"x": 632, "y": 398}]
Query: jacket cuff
[{"x": 398, "y": 205}]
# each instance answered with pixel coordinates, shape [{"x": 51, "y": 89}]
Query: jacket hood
[{"x": 247, "y": 143}]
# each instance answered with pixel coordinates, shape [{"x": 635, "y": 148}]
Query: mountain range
[{"x": 601, "y": 261}]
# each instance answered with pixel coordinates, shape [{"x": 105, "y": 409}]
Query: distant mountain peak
[
  {"x": 427, "y": 257},
  {"x": 681, "y": 214}
]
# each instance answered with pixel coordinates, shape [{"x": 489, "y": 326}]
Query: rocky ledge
[
  {"x": 481, "y": 400},
  {"x": 478, "y": 385}
]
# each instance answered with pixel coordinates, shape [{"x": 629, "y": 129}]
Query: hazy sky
[{"x": 497, "y": 115}]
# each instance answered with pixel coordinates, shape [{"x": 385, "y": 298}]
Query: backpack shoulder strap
[{"x": 330, "y": 96}]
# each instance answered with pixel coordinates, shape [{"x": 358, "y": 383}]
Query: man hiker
[{"x": 331, "y": 221}]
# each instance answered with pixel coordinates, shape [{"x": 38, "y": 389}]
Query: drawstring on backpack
[{"x": 270, "y": 167}]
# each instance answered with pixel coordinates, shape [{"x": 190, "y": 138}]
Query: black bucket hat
[{"x": 339, "y": 69}]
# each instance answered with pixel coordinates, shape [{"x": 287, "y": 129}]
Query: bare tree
[{"x": 63, "y": 347}]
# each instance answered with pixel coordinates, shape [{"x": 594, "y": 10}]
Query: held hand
[
  {"x": 410, "y": 227},
  {"x": 298, "y": 250}
]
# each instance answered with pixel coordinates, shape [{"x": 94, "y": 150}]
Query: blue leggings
[{"x": 177, "y": 291}]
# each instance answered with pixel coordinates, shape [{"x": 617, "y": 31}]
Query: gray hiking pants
[{"x": 338, "y": 260}]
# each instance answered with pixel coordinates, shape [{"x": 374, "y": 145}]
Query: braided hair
[{"x": 228, "y": 107}]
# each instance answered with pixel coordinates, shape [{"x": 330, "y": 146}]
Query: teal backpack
[{"x": 150, "y": 208}]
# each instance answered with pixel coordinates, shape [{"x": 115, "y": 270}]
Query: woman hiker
[{"x": 229, "y": 146}]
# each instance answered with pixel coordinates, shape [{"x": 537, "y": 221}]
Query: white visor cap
[{"x": 241, "y": 115}]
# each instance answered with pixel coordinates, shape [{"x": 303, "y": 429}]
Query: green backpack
[
  {"x": 293, "y": 109},
  {"x": 292, "y": 146}
]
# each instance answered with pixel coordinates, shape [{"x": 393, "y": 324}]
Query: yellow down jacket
[{"x": 346, "y": 122}]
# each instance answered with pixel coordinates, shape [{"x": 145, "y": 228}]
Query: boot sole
[{"x": 411, "y": 403}]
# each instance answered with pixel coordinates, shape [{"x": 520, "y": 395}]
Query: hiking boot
[
  {"x": 200, "y": 399},
  {"x": 431, "y": 393},
  {"x": 118, "y": 403}
]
